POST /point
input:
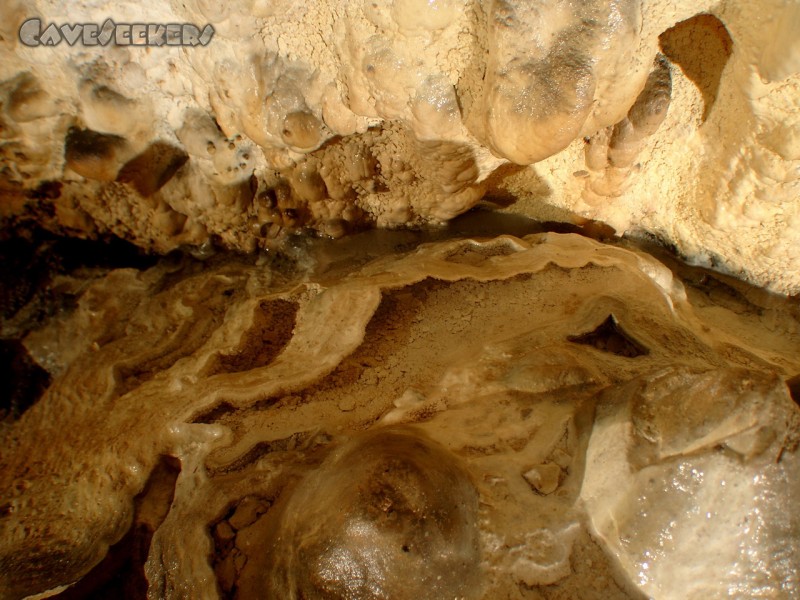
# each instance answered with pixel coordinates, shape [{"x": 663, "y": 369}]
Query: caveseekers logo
[{"x": 31, "y": 33}]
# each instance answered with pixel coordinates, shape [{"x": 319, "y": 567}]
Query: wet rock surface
[{"x": 463, "y": 411}]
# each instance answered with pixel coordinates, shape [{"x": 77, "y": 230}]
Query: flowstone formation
[
  {"x": 535, "y": 417},
  {"x": 669, "y": 121},
  {"x": 251, "y": 409}
]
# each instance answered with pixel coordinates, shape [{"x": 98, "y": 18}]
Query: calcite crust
[{"x": 469, "y": 407}]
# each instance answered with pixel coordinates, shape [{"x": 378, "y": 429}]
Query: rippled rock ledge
[{"x": 543, "y": 416}]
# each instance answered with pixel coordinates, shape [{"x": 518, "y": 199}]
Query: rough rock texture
[
  {"x": 340, "y": 115},
  {"x": 538, "y": 417}
]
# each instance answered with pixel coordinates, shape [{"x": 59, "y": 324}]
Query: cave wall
[{"x": 672, "y": 121}]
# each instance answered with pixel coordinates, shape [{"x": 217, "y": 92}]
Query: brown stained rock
[
  {"x": 248, "y": 512},
  {"x": 682, "y": 411},
  {"x": 302, "y": 130},
  {"x": 652, "y": 104},
  {"x": 28, "y": 101},
  {"x": 452, "y": 166},
  {"x": 472, "y": 383},
  {"x": 273, "y": 326},
  {"x": 94, "y": 155},
  {"x": 224, "y": 532},
  {"x": 544, "y": 478},
  {"x": 226, "y": 573},
  {"x": 152, "y": 169},
  {"x": 308, "y": 183}
]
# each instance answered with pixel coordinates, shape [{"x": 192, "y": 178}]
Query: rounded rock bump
[
  {"x": 303, "y": 131},
  {"x": 390, "y": 514}
]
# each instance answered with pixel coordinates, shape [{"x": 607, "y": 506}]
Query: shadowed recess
[
  {"x": 228, "y": 558},
  {"x": 701, "y": 47},
  {"x": 794, "y": 388},
  {"x": 121, "y": 573},
  {"x": 273, "y": 324},
  {"x": 24, "y": 381},
  {"x": 610, "y": 337}
]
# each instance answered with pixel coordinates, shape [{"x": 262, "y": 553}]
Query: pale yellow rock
[{"x": 716, "y": 177}]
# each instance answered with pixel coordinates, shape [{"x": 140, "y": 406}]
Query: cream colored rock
[
  {"x": 669, "y": 483},
  {"x": 717, "y": 180}
]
